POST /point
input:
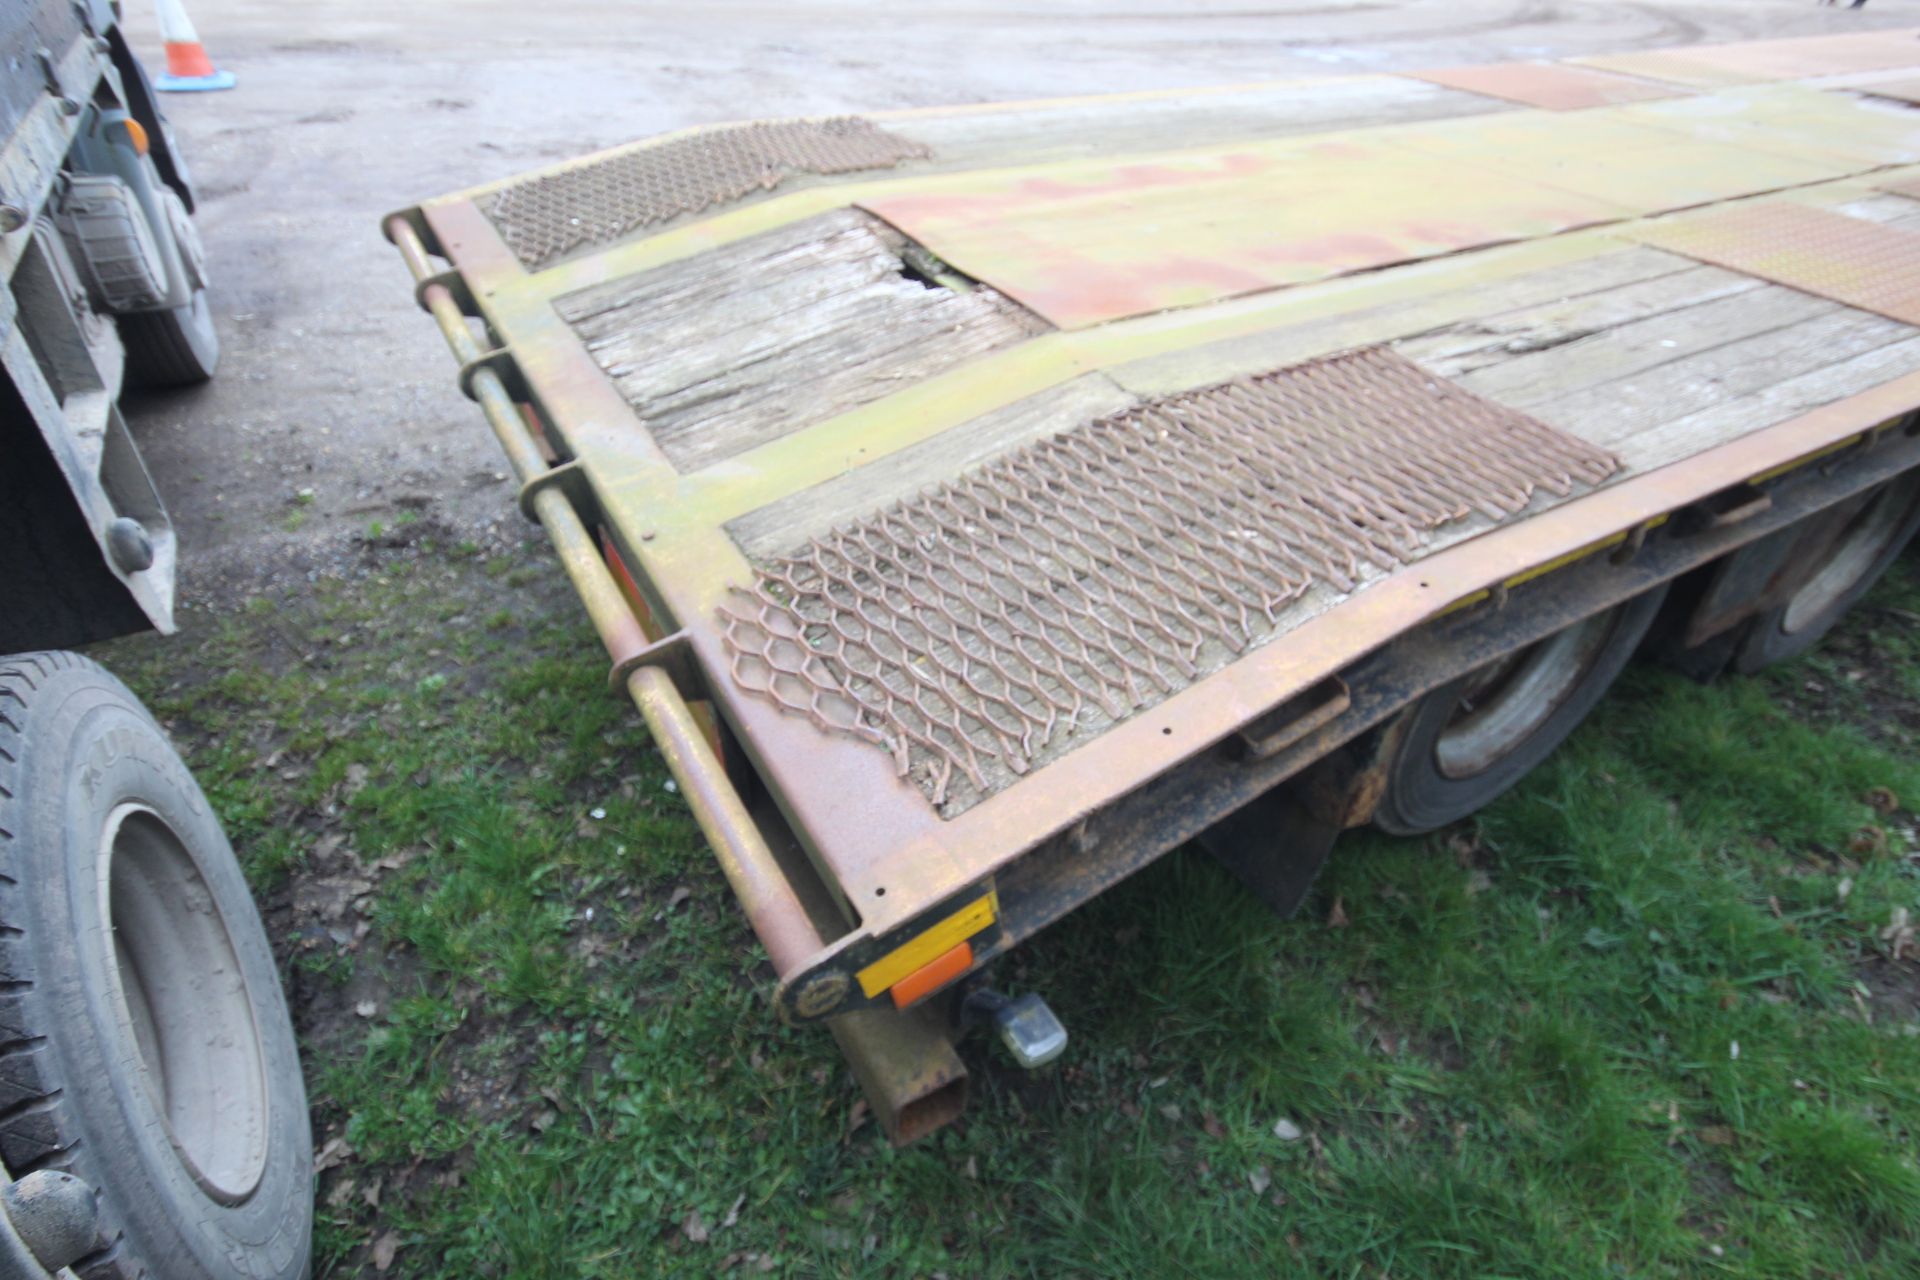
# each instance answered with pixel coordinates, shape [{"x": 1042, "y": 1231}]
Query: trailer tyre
[
  {"x": 144, "y": 1042},
  {"x": 1466, "y": 743},
  {"x": 1849, "y": 566}
]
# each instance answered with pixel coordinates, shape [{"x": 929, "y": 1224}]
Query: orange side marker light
[{"x": 932, "y": 975}]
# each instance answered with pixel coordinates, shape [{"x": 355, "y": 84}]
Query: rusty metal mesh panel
[
  {"x": 973, "y": 630},
  {"x": 544, "y": 218},
  {"x": 1850, "y": 260}
]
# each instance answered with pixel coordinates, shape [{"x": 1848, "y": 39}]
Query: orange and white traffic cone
[{"x": 189, "y": 69}]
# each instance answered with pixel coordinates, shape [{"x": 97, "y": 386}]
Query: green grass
[{"x": 1515, "y": 1059}]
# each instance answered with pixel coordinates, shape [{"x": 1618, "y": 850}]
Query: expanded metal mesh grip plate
[
  {"x": 597, "y": 203},
  {"x": 1852, "y": 261},
  {"x": 976, "y": 630}
]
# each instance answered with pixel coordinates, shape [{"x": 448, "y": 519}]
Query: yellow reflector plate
[{"x": 943, "y": 937}]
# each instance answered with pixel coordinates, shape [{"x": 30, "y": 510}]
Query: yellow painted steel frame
[{"x": 894, "y": 865}]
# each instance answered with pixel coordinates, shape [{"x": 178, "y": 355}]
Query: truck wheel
[
  {"x": 1849, "y": 566},
  {"x": 176, "y": 348},
  {"x": 144, "y": 1041},
  {"x": 1467, "y": 743}
]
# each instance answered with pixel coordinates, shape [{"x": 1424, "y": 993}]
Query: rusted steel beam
[{"x": 906, "y": 1066}]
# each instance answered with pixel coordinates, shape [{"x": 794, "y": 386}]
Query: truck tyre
[
  {"x": 1466, "y": 743},
  {"x": 144, "y": 1042},
  {"x": 1849, "y": 566},
  {"x": 176, "y": 348}
]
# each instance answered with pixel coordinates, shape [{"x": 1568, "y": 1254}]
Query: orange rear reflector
[
  {"x": 932, "y": 975},
  {"x": 136, "y": 134}
]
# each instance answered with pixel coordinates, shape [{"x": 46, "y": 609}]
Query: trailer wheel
[
  {"x": 144, "y": 1042},
  {"x": 1849, "y": 566},
  {"x": 1468, "y": 742}
]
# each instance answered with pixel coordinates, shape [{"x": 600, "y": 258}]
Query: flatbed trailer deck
[{"x": 979, "y": 503}]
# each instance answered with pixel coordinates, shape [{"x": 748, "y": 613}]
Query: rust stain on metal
[
  {"x": 1086, "y": 242},
  {"x": 973, "y": 630},
  {"x": 1552, "y": 86},
  {"x": 1852, "y": 261},
  {"x": 547, "y": 217}
]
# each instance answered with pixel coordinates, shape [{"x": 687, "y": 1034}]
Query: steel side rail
[
  {"x": 774, "y": 909},
  {"x": 907, "y": 1066}
]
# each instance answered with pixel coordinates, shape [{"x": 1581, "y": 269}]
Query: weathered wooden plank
[
  {"x": 1833, "y": 379},
  {"x": 1688, "y": 330},
  {"x": 1615, "y": 412},
  {"x": 1885, "y": 208},
  {"x": 1486, "y": 305},
  {"x": 728, "y": 349},
  {"x": 1519, "y": 339},
  {"x": 788, "y": 523}
]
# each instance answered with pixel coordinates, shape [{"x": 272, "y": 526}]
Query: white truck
[{"x": 153, "y": 1121}]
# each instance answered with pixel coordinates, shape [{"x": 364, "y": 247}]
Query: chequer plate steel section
[
  {"x": 975, "y": 629},
  {"x": 547, "y": 217},
  {"x": 1862, "y": 264},
  {"x": 1551, "y": 86}
]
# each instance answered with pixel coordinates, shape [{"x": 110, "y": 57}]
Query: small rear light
[
  {"x": 933, "y": 975},
  {"x": 136, "y": 134}
]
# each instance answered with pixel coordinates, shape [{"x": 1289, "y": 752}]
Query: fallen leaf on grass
[
  {"x": 857, "y": 1116},
  {"x": 335, "y": 1152},
  {"x": 1868, "y": 842},
  {"x": 366, "y": 1008},
  {"x": 1882, "y": 800},
  {"x": 1210, "y": 1124},
  {"x": 1337, "y": 918},
  {"x": 733, "y": 1214},
  {"x": 1287, "y": 1131},
  {"x": 1717, "y": 1135},
  {"x": 1260, "y": 1179},
  {"x": 383, "y": 1250},
  {"x": 1899, "y": 932},
  {"x": 694, "y": 1229}
]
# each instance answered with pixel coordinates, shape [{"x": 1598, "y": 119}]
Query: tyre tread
[
  {"x": 158, "y": 353},
  {"x": 35, "y": 1132}
]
